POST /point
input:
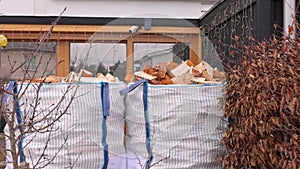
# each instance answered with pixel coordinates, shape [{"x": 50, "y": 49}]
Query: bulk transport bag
[
  {"x": 175, "y": 126},
  {"x": 89, "y": 133}
]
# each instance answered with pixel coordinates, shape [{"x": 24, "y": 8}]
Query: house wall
[
  {"x": 289, "y": 11},
  {"x": 45, "y": 63},
  {"x": 174, "y": 21}
]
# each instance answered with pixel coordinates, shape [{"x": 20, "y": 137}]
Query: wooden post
[
  {"x": 195, "y": 49},
  {"x": 63, "y": 58},
  {"x": 129, "y": 56}
]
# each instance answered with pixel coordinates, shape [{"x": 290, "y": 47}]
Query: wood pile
[
  {"x": 184, "y": 73},
  {"x": 161, "y": 74},
  {"x": 82, "y": 76},
  {"x": 263, "y": 105}
]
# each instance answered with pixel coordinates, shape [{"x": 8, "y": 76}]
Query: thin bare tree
[{"x": 34, "y": 119}]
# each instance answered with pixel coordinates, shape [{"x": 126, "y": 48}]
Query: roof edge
[{"x": 66, "y": 20}]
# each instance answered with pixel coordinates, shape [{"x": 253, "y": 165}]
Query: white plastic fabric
[
  {"x": 185, "y": 122},
  {"x": 76, "y": 139}
]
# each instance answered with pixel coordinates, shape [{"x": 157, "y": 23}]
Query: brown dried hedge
[{"x": 263, "y": 103}]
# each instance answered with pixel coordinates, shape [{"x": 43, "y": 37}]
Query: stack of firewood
[
  {"x": 82, "y": 76},
  {"x": 184, "y": 73}
]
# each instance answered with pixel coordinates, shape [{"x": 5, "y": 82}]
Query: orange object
[
  {"x": 189, "y": 63},
  {"x": 85, "y": 73}
]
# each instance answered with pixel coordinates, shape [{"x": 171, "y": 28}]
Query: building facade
[{"x": 95, "y": 33}]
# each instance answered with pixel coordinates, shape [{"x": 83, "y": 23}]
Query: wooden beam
[
  {"x": 129, "y": 57},
  {"x": 63, "y": 56},
  {"x": 200, "y": 48},
  {"x": 94, "y": 28},
  {"x": 64, "y": 36},
  {"x": 158, "y": 38},
  {"x": 195, "y": 49}
]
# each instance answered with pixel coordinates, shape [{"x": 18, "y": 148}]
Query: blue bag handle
[
  {"x": 105, "y": 102},
  {"x": 132, "y": 87},
  {"x": 143, "y": 82},
  {"x": 12, "y": 86},
  {"x": 9, "y": 88}
]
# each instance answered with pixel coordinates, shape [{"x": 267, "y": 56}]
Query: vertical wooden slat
[
  {"x": 195, "y": 49},
  {"x": 63, "y": 54},
  {"x": 200, "y": 47},
  {"x": 129, "y": 57}
]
